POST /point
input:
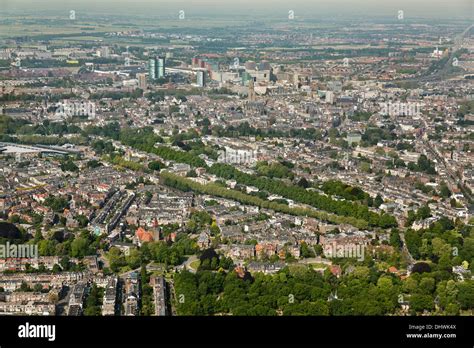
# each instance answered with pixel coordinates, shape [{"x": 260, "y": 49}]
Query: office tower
[
  {"x": 251, "y": 93},
  {"x": 245, "y": 78},
  {"x": 201, "y": 78},
  {"x": 160, "y": 67},
  {"x": 152, "y": 68},
  {"x": 330, "y": 97},
  {"x": 142, "y": 81}
]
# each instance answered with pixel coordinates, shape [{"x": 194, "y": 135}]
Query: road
[
  {"x": 454, "y": 178},
  {"x": 442, "y": 73},
  {"x": 187, "y": 263},
  {"x": 64, "y": 302},
  {"x": 411, "y": 260}
]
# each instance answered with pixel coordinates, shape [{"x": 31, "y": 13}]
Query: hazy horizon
[{"x": 357, "y": 9}]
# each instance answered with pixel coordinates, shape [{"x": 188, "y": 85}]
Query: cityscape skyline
[{"x": 251, "y": 161}]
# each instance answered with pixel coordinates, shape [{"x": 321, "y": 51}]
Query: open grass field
[
  {"x": 195, "y": 264},
  {"x": 29, "y": 26}
]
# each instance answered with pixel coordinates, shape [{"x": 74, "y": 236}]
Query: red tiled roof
[{"x": 144, "y": 236}]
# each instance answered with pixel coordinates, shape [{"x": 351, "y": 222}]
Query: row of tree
[
  {"x": 218, "y": 190},
  {"x": 299, "y": 194}
]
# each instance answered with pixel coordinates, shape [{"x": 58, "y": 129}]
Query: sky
[{"x": 442, "y": 9}]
